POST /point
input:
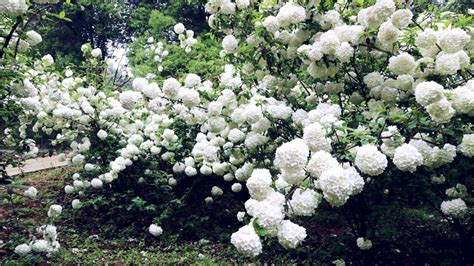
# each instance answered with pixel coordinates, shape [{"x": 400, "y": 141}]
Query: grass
[{"x": 81, "y": 245}]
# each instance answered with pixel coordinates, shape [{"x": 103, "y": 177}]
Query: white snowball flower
[
  {"x": 314, "y": 136},
  {"x": 139, "y": 84},
  {"x": 31, "y": 192},
  {"x": 13, "y": 8},
  {"x": 192, "y": 80},
  {"x": 47, "y": 60},
  {"x": 373, "y": 79},
  {"x": 441, "y": 111},
  {"x": 447, "y": 64},
  {"x": 338, "y": 184},
  {"x": 456, "y": 208},
  {"x": 401, "y": 18},
  {"x": 230, "y": 43},
  {"x": 227, "y": 8},
  {"x": 22, "y": 249},
  {"x": 171, "y": 88},
  {"x": 155, "y": 230},
  {"x": 290, "y": 235},
  {"x": 259, "y": 184},
  {"x": 240, "y": 216},
  {"x": 303, "y": 202},
  {"x": 407, "y": 158},
  {"x": 96, "y": 52},
  {"x": 271, "y": 24},
  {"x": 102, "y": 134},
  {"x": 463, "y": 100},
  {"x": 236, "y": 187},
  {"x": 247, "y": 241},
  {"x": 401, "y": 64},
  {"x": 269, "y": 215},
  {"x": 428, "y": 92},
  {"x": 241, "y": 4},
  {"x": 321, "y": 161},
  {"x": 96, "y": 183},
  {"x": 467, "y": 145},
  {"x": 55, "y": 210},
  {"x": 216, "y": 191},
  {"x": 453, "y": 40},
  {"x": 129, "y": 99},
  {"x": 34, "y": 38},
  {"x": 388, "y": 33},
  {"x": 370, "y": 160},
  {"x": 329, "y": 42},
  {"x": 190, "y": 171},
  {"x": 209, "y": 200},
  {"x": 290, "y": 13},
  {"x": 426, "y": 39},
  {"x": 190, "y": 97},
  {"x": 364, "y": 244},
  {"x": 69, "y": 189},
  {"x": 235, "y": 135},
  {"x": 292, "y": 156},
  {"x": 40, "y": 246},
  {"x": 179, "y": 28},
  {"x": 76, "y": 204},
  {"x": 344, "y": 52}
]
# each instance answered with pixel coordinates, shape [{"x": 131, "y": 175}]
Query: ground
[
  {"x": 80, "y": 245},
  {"x": 93, "y": 239}
]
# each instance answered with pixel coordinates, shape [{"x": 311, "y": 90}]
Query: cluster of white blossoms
[
  {"x": 49, "y": 243},
  {"x": 293, "y": 139},
  {"x": 407, "y": 158},
  {"x": 13, "y": 8},
  {"x": 155, "y": 230},
  {"x": 364, "y": 244},
  {"x": 324, "y": 55},
  {"x": 157, "y": 51},
  {"x": 186, "y": 37},
  {"x": 230, "y": 44},
  {"x": 247, "y": 241},
  {"x": 467, "y": 145},
  {"x": 431, "y": 95},
  {"x": 456, "y": 208},
  {"x": 370, "y": 160}
]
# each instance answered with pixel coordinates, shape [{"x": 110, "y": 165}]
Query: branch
[{"x": 10, "y": 36}]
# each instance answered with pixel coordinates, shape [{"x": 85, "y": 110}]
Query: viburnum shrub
[
  {"x": 19, "y": 78},
  {"x": 343, "y": 106}
]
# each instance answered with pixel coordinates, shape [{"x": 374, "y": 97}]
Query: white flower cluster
[
  {"x": 49, "y": 243},
  {"x": 155, "y": 230},
  {"x": 431, "y": 96},
  {"x": 363, "y": 243},
  {"x": 467, "y": 145},
  {"x": 230, "y": 44},
  {"x": 407, "y": 158},
  {"x": 456, "y": 208},
  {"x": 291, "y": 159},
  {"x": 291, "y": 144},
  {"x": 186, "y": 37},
  {"x": 157, "y": 51},
  {"x": 247, "y": 241},
  {"x": 13, "y": 8},
  {"x": 338, "y": 184},
  {"x": 370, "y": 161}
]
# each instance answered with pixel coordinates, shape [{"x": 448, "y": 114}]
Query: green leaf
[{"x": 258, "y": 229}]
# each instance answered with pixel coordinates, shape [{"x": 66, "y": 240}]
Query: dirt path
[{"x": 37, "y": 164}]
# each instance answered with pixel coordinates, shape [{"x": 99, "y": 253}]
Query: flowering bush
[{"x": 342, "y": 106}]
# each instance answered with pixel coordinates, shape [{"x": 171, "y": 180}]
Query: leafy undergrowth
[
  {"x": 89, "y": 237},
  {"x": 84, "y": 242}
]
